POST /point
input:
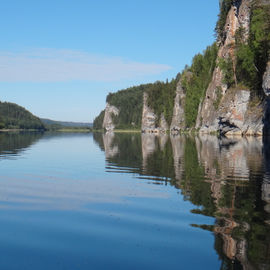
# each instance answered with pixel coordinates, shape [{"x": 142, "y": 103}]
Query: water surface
[{"x": 132, "y": 201}]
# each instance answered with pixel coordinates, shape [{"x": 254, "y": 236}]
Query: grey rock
[
  {"x": 148, "y": 117},
  {"x": 266, "y": 80},
  {"x": 178, "y": 118},
  {"x": 110, "y": 111},
  {"x": 232, "y": 113},
  {"x": 163, "y": 125}
]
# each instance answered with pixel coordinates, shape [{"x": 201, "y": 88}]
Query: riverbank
[{"x": 70, "y": 130}]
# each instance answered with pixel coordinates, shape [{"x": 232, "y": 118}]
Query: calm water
[{"x": 131, "y": 201}]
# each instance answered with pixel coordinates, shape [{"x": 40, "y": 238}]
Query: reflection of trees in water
[
  {"x": 122, "y": 151},
  {"x": 98, "y": 139},
  {"x": 226, "y": 178},
  {"x": 234, "y": 169},
  {"x": 11, "y": 144}
]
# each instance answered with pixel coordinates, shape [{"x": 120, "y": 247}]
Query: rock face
[
  {"x": 149, "y": 119},
  {"x": 266, "y": 81},
  {"x": 266, "y": 89},
  {"x": 178, "y": 118},
  {"x": 163, "y": 125},
  {"x": 223, "y": 109},
  {"x": 110, "y": 111},
  {"x": 232, "y": 119},
  {"x": 235, "y": 118}
]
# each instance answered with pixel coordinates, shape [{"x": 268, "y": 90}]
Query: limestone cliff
[
  {"x": 178, "y": 118},
  {"x": 110, "y": 111},
  {"x": 266, "y": 89},
  {"x": 149, "y": 119},
  {"x": 205, "y": 99},
  {"x": 224, "y": 110}
]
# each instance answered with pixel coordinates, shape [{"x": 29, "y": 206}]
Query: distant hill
[
  {"x": 13, "y": 116},
  {"x": 49, "y": 122}
]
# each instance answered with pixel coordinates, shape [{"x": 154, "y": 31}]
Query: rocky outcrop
[
  {"x": 110, "y": 111},
  {"x": 178, "y": 118},
  {"x": 208, "y": 117},
  {"x": 235, "y": 118},
  {"x": 149, "y": 119},
  {"x": 266, "y": 90},
  {"x": 163, "y": 125},
  {"x": 266, "y": 81},
  {"x": 222, "y": 110}
]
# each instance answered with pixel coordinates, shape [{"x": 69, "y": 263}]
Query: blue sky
[{"x": 60, "y": 58}]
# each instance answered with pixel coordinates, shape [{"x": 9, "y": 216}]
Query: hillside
[
  {"x": 64, "y": 124},
  {"x": 224, "y": 90},
  {"x": 125, "y": 107},
  {"x": 129, "y": 104},
  {"x": 13, "y": 116}
]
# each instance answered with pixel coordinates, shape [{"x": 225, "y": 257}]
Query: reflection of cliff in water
[
  {"x": 147, "y": 155},
  {"x": 12, "y": 144},
  {"x": 227, "y": 179},
  {"x": 234, "y": 168},
  {"x": 122, "y": 151}
]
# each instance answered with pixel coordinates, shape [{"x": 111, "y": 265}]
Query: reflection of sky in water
[
  {"x": 64, "y": 173},
  {"x": 63, "y": 200}
]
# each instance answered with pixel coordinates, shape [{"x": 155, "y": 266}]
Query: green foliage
[
  {"x": 246, "y": 70},
  {"x": 193, "y": 184},
  {"x": 16, "y": 117},
  {"x": 56, "y": 125},
  {"x": 160, "y": 163},
  {"x": 161, "y": 98},
  {"x": 98, "y": 121},
  {"x": 224, "y": 9},
  {"x": 15, "y": 142},
  {"x": 129, "y": 102},
  {"x": 252, "y": 56},
  {"x": 195, "y": 81},
  {"x": 2, "y": 124},
  {"x": 161, "y": 95},
  {"x": 226, "y": 65},
  {"x": 218, "y": 98}
]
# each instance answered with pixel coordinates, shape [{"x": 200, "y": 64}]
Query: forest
[
  {"x": 129, "y": 103},
  {"x": 13, "y": 116},
  {"x": 251, "y": 56},
  {"x": 242, "y": 69}
]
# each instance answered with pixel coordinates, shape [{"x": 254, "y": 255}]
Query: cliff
[
  {"x": 226, "y": 89},
  {"x": 178, "y": 118},
  {"x": 110, "y": 112},
  {"x": 150, "y": 119},
  {"x": 123, "y": 109},
  {"x": 226, "y": 109}
]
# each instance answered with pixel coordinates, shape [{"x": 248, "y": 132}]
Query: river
[{"x": 133, "y": 201}]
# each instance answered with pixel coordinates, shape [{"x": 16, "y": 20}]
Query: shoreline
[{"x": 42, "y": 130}]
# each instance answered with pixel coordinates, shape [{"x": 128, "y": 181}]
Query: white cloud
[{"x": 51, "y": 65}]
